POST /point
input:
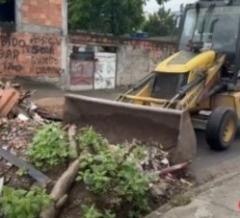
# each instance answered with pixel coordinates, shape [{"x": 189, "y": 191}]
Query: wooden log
[
  {"x": 72, "y": 131},
  {"x": 60, "y": 190}
]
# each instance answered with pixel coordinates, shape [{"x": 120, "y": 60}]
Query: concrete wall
[
  {"x": 138, "y": 59},
  {"x": 37, "y": 46},
  {"x": 135, "y": 58}
]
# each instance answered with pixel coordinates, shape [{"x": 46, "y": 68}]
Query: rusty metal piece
[
  {"x": 9, "y": 97},
  {"x": 172, "y": 129},
  {"x": 41, "y": 178},
  {"x": 174, "y": 168}
]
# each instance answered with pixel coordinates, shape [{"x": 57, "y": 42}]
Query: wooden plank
[{"x": 8, "y": 99}]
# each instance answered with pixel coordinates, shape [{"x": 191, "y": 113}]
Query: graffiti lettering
[
  {"x": 40, "y": 50},
  {"x": 30, "y": 54},
  {"x": 11, "y": 66},
  {"x": 45, "y": 40},
  {"x": 14, "y": 42},
  {"x": 9, "y": 54},
  {"x": 49, "y": 71},
  {"x": 44, "y": 60}
]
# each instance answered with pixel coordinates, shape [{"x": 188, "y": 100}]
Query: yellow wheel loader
[{"x": 196, "y": 88}]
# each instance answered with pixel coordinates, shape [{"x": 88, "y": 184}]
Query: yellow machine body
[{"x": 167, "y": 122}]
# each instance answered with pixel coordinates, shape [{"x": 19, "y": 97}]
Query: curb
[{"x": 194, "y": 192}]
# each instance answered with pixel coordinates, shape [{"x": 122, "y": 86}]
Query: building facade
[
  {"x": 34, "y": 42},
  {"x": 33, "y": 38}
]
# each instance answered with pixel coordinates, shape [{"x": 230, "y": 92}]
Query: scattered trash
[
  {"x": 16, "y": 102},
  {"x": 22, "y": 117}
]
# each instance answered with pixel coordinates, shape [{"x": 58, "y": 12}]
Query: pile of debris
[
  {"x": 19, "y": 120},
  {"x": 170, "y": 179},
  {"x": 15, "y": 134},
  {"x": 15, "y": 102}
]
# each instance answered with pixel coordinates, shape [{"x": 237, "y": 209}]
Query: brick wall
[
  {"x": 135, "y": 58},
  {"x": 28, "y": 54},
  {"x": 37, "y": 47},
  {"x": 42, "y": 12},
  {"x": 101, "y": 39}
]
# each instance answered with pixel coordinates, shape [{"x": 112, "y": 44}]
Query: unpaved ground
[
  {"x": 12, "y": 129},
  {"x": 15, "y": 136},
  {"x": 162, "y": 190}
]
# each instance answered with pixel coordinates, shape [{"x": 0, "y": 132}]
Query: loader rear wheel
[{"x": 221, "y": 128}]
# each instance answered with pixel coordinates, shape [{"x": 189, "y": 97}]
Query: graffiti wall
[
  {"x": 82, "y": 73},
  {"x": 92, "y": 70},
  {"x": 105, "y": 75},
  {"x": 26, "y": 54}
]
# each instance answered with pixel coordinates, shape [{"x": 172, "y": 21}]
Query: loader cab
[{"x": 212, "y": 25}]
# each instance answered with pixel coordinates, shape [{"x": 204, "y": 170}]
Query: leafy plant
[
  {"x": 49, "y": 147},
  {"x": 89, "y": 139},
  {"x": 98, "y": 171},
  {"x": 92, "y": 212},
  {"x": 23, "y": 204},
  {"x": 113, "y": 172}
]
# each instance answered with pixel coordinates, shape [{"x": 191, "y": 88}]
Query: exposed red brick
[
  {"x": 26, "y": 54},
  {"x": 42, "y": 12}
]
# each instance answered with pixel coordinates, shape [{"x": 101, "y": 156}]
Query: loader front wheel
[{"x": 221, "y": 128}]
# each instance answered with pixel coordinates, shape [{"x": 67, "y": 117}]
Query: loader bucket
[{"x": 120, "y": 122}]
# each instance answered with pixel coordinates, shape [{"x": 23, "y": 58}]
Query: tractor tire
[{"x": 221, "y": 128}]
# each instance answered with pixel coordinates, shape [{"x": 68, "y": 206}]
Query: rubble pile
[
  {"x": 19, "y": 120},
  {"x": 15, "y": 134},
  {"x": 15, "y": 102},
  {"x": 170, "y": 179}
]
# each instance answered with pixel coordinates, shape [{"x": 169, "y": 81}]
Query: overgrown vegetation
[
  {"x": 21, "y": 203},
  {"x": 110, "y": 177},
  {"x": 113, "y": 172},
  {"x": 92, "y": 212},
  {"x": 49, "y": 147},
  {"x": 90, "y": 140}
]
